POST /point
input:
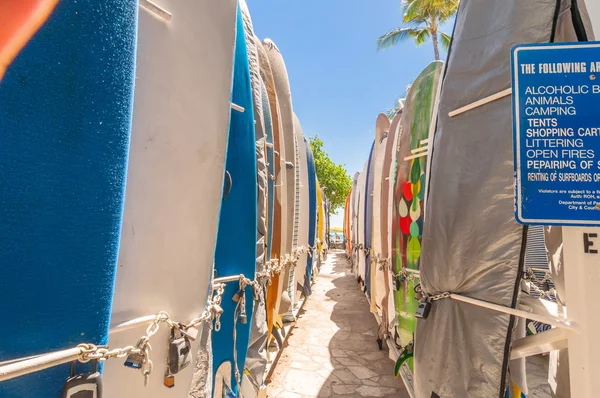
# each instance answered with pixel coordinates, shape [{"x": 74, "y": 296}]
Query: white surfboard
[
  {"x": 361, "y": 222},
  {"x": 353, "y": 223},
  {"x": 284, "y": 96},
  {"x": 377, "y": 277},
  {"x": 303, "y": 208},
  {"x": 174, "y": 182}
]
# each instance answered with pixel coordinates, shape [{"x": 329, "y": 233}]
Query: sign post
[{"x": 556, "y": 126}]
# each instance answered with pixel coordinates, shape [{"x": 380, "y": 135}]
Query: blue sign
[{"x": 556, "y": 127}]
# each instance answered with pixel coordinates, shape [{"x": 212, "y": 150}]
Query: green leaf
[
  {"x": 333, "y": 178},
  {"x": 421, "y": 19},
  {"x": 396, "y": 35},
  {"x": 445, "y": 40}
]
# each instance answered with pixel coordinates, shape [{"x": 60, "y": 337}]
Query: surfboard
[
  {"x": 271, "y": 171},
  {"x": 256, "y": 358},
  {"x": 387, "y": 194},
  {"x": 303, "y": 211},
  {"x": 312, "y": 218},
  {"x": 360, "y": 227},
  {"x": 382, "y": 127},
  {"x": 347, "y": 225},
  {"x": 319, "y": 229},
  {"x": 170, "y": 219},
  {"x": 368, "y": 214},
  {"x": 354, "y": 223},
  {"x": 256, "y": 361},
  {"x": 65, "y": 106},
  {"x": 284, "y": 96},
  {"x": 409, "y": 190},
  {"x": 275, "y": 287},
  {"x": 236, "y": 240}
]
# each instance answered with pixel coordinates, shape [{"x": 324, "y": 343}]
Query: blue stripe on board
[
  {"x": 236, "y": 240},
  {"x": 312, "y": 218},
  {"x": 65, "y": 119}
]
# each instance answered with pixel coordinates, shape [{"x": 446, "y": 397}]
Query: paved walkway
[{"x": 332, "y": 351}]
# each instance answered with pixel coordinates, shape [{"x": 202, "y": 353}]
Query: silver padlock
[
  {"x": 180, "y": 351},
  {"x": 85, "y": 385},
  {"x": 423, "y": 309}
]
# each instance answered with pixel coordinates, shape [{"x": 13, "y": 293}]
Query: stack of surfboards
[
  {"x": 419, "y": 220},
  {"x": 132, "y": 207}
]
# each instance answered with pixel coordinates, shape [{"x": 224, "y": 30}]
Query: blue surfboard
[
  {"x": 312, "y": 219},
  {"x": 368, "y": 201},
  {"x": 65, "y": 117},
  {"x": 236, "y": 240}
]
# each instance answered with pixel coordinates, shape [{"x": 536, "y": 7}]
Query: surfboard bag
[
  {"x": 472, "y": 244},
  {"x": 256, "y": 360}
]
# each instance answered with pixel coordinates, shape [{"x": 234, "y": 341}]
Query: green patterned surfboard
[{"x": 409, "y": 191}]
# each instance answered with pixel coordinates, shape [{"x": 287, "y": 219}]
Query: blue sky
[{"x": 339, "y": 81}]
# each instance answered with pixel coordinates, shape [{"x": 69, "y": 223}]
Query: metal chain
[
  {"x": 435, "y": 297},
  {"x": 213, "y": 310},
  {"x": 548, "y": 294},
  {"x": 532, "y": 277}
]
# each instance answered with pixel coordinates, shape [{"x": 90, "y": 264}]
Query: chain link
[
  {"x": 213, "y": 311},
  {"x": 419, "y": 290},
  {"x": 549, "y": 294}
]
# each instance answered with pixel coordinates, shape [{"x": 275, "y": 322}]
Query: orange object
[{"x": 19, "y": 20}]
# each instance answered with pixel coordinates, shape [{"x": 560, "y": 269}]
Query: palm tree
[{"x": 422, "y": 19}]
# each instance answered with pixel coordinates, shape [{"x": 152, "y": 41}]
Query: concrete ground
[{"x": 332, "y": 351}]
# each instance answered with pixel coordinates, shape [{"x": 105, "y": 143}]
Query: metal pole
[
  {"x": 541, "y": 343},
  {"x": 481, "y": 102},
  {"x": 225, "y": 279},
  {"x": 36, "y": 364},
  {"x": 550, "y": 320},
  {"x": 132, "y": 324},
  {"x": 156, "y": 10}
]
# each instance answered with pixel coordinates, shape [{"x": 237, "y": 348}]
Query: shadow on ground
[{"x": 332, "y": 351}]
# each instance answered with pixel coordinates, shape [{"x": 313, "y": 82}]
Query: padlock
[
  {"x": 135, "y": 360},
  {"x": 191, "y": 333},
  {"x": 180, "y": 351},
  {"x": 423, "y": 309},
  {"x": 85, "y": 385},
  {"x": 169, "y": 380},
  {"x": 243, "y": 317},
  {"x": 238, "y": 295}
]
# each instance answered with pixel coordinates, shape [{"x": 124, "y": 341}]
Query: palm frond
[
  {"x": 396, "y": 35},
  {"x": 414, "y": 11},
  {"x": 422, "y": 36},
  {"x": 445, "y": 40},
  {"x": 429, "y": 10}
]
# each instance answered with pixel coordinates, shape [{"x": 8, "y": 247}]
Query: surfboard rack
[
  {"x": 481, "y": 102},
  {"x": 418, "y": 155},
  {"x": 548, "y": 317},
  {"x": 227, "y": 279},
  {"x": 236, "y": 107},
  {"x": 41, "y": 362},
  {"x": 155, "y": 9},
  {"x": 419, "y": 152}
]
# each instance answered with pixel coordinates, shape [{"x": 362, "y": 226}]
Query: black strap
[
  {"x": 228, "y": 184},
  {"x": 578, "y": 22}
]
